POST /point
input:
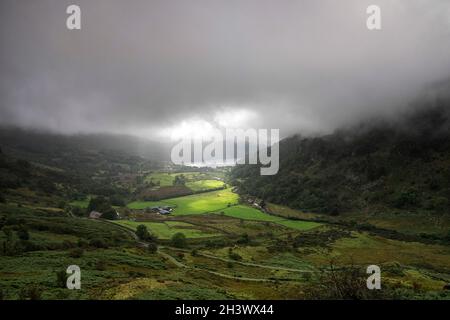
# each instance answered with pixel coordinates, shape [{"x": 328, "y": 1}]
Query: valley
[{"x": 214, "y": 243}]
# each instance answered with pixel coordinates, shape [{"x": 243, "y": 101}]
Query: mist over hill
[
  {"x": 44, "y": 146},
  {"x": 400, "y": 164}
]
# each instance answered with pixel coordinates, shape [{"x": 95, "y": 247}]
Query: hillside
[
  {"x": 381, "y": 166},
  {"x": 71, "y": 167},
  {"x": 59, "y": 149}
]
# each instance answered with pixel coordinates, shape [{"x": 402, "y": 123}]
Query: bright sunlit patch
[
  {"x": 235, "y": 118},
  {"x": 199, "y": 128},
  {"x": 193, "y": 128}
]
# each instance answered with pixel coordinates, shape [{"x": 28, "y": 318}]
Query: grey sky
[{"x": 142, "y": 67}]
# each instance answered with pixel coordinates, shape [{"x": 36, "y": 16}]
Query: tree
[
  {"x": 179, "y": 240},
  {"x": 234, "y": 256},
  {"x": 110, "y": 214},
  {"x": 179, "y": 180},
  {"x": 100, "y": 204},
  {"x": 152, "y": 247},
  {"x": 244, "y": 239},
  {"x": 117, "y": 201},
  {"x": 142, "y": 232}
]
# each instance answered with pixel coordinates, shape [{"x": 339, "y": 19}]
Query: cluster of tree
[
  {"x": 178, "y": 240},
  {"x": 102, "y": 205},
  {"x": 144, "y": 235}
]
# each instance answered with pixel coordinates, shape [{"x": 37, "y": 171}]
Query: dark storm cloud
[{"x": 138, "y": 66}]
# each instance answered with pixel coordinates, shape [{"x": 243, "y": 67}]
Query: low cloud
[{"x": 144, "y": 67}]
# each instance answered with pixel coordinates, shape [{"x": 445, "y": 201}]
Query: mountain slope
[{"x": 400, "y": 165}]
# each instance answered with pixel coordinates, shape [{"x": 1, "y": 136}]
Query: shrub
[
  {"x": 142, "y": 232},
  {"x": 109, "y": 214},
  {"x": 244, "y": 239},
  {"x": 152, "y": 248},
  {"x": 178, "y": 240},
  {"x": 235, "y": 256}
]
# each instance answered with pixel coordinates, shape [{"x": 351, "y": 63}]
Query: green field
[
  {"x": 248, "y": 213},
  {"x": 203, "y": 202},
  {"x": 165, "y": 230},
  {"x": 164, "y": 179},
  {"x": 201, "y": 185},
  {"x": 196, "y": 181},
  {"x": 138, "y": 205}
]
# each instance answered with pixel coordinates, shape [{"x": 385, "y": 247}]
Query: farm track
[{"x": 127, "y": 230}]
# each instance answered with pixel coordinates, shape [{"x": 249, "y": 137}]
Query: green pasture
[
  {"x": 138, "y": 205},
  {"x": 165, "y": 179},
  {"x": 197, "y": 181},
  {"x": 201, "y": 185},
  {"x": 203, "y": 202},
  {"x": 249, "y": 213}
]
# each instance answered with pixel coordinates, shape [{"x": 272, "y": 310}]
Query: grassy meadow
[
  {"x": 203, "y": 202},
  {"x": 204, "y": 185},
  {"x": 249, "y": 213}
]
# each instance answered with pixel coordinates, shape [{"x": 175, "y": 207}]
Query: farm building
[
  {"x": 95, "y": 215},
  {"x": 160, "y": 210},
  {"x": 110, "y": 215}
]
